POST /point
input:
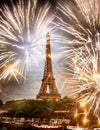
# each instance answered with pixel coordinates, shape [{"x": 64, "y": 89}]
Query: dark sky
[{"x": 40, "y": 2}]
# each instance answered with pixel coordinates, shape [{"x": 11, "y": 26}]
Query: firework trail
[
  {"x": 80, "y": 23},
  {"x": 23, "y": 28}
]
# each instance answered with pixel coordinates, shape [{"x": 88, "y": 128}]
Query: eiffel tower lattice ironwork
[{"x": 48, "y": 88}]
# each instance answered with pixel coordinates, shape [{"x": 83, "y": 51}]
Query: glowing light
[
  {"x": 76, "y": 114},
  {"x": 10, "y": 71},
  {"x": 85, "y": 121},
  {"x": 49, "y": 55},
  {"x": 99, "y": 122},
  {"x": 82, "y": 104},
  {"x": 22, "y": 36},
  {"x": 82, "y": 50}
]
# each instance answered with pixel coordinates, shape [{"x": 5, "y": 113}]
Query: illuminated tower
[{"x": 48, "y": 88}]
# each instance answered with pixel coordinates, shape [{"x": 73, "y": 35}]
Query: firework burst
[
  {"x": 81, "y": 26},
  {"x": 23, "y": 28}
]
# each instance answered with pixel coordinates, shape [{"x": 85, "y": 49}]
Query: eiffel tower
[{"x": 48, "y": 88}]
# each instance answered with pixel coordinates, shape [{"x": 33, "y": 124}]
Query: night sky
[
  {"x": 10, "y": 90},
  {"x": 40, "y": 2}
]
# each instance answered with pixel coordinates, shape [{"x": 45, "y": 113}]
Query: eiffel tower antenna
[{"x": 48, "y": 88}]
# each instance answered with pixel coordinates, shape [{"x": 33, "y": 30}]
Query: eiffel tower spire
[{"x": 48, "y": 88}]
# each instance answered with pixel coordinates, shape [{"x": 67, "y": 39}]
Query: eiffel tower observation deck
[{"x": 48, "y": 89}]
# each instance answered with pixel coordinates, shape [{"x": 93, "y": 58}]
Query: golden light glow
[
  {"x": 85, "y": 121},
  {"x": 99, "y": 122},
  {"x": 11, "y": 69},
  {"x": 82, "y": 104},
  {"x": 76, "y": 114},
  {"x": 49, "y": 55}
]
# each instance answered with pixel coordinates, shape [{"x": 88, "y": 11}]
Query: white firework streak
[
  {"x": 82, "y": 50},
  {"x": 22, "y": 37}
]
